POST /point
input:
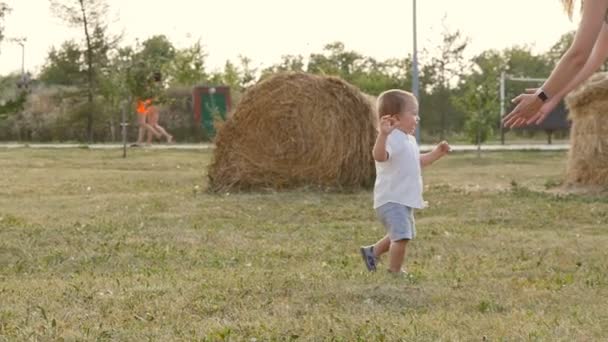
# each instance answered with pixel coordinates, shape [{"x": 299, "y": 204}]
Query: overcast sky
[{"x": 263, "y": 30}]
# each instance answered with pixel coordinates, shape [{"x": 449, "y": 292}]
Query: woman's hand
[
  {"x": 528, "y": 106},
  {"x": 540, "y": 116},
  {"x": 544, "y": 111}
]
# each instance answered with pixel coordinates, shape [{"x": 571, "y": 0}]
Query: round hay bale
[
  {"x": 588, "y": 156},
  {"x": 296, "y": 129},
  {"x": 372, "y": 102}
]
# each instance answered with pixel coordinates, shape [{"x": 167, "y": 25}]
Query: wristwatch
[{"x": 542, "y": 95}]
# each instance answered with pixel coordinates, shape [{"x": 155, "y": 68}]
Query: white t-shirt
[{"x": 399, "y": 179}]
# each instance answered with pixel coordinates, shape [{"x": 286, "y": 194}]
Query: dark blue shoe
[{"x": 369, "y": 258}]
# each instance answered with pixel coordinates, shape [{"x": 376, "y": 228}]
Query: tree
[
  {"x": 63, "y": 66},
  {"x": 12, "y": 106},
  {"x": 481, "y": 115},
  {"x": 231, "y": 76},
  {"x": 520, "y": 61},
  {"x": 113, "y": 86},
  {"x": 443, "y": 73},
  {"x": 188, "y": 66},
  {"x": 336, "y": 61},
  {"x": 88, "y": 15},
  {"x": 157, "y": 53},
  {"x": 12, "y": 100},
  {"x": 248, "y": 73},
  {"x": 238, "y": 77},
  {"x": 288, "y": 63},
  {"x": 4, "y": 9},
  {"x": 478, "y": 96},
  {"x": 370, "y": 75},
  {"x": 152, "y": 57},
  {"x": 102, "y": 45},
  {"x": 558, "y": 49},
  {"x": 373, "y": 77}
]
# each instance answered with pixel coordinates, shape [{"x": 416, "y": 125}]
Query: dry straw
[
  {"x": 588, "y": 156},
  {"x": 293, "y": 130}
]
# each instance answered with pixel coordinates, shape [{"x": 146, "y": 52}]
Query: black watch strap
[{"x": 543, "y": 96}]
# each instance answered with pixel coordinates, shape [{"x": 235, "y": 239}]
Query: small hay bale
[
  {"x": 296, "y": 129},
  {"x": 588, "y": 156}
]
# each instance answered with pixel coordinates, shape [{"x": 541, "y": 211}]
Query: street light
[
  {"x": 21, "y": 41},
  {"x": 415, "y": 84}
]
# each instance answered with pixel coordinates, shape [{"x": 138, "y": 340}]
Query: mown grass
[{"x": 94, "y": 247}]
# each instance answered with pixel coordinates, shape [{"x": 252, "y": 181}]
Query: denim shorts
[{"x": 398, "y": 220}]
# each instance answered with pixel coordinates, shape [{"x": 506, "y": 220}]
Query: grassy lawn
[{"x": 94, "y": 247}]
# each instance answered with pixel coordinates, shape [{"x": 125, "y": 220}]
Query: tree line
[{"x": 97, "y": 74}]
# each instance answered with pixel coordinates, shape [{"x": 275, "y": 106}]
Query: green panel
[{"x": 213, "y": 105}]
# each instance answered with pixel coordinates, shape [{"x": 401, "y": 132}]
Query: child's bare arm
[
  {"x": 437, "y": 153},
  {"x": 380, "y": 154},
  {"x": 387, "y": 125}
]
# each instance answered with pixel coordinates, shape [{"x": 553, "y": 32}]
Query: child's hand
[
  {"x": 443, "y": 148},
  {"x": 387, "y": 124}
]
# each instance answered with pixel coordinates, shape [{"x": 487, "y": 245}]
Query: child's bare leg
[
  {"x": 153, "y": 122},
  {"x": 143, "y": 128},
  {"x": 382, "y": 246},
  {"x": 141, "y": 121},
  {"x": 151, "y": 132},
  {"x": 140, "y": 134},
  {"x": 396, "y": 255},
  {"x": 162, "y": 131},
  {"x": 150, "y": 135}
]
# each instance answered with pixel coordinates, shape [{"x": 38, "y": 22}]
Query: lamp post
[
  {"x": 415, "y": 82},
  {"x": 21, "y": 42}
]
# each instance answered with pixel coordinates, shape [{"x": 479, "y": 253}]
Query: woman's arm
[
  {"x": 596, "y": 59},
  {"x": 571, "y": 63},
  {"x": 594, "y": 17}
]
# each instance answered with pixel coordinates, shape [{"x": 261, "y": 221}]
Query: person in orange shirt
[
  {"x": 148, "y": 113},
  {"x": 143, "y": 111},
  {"x": 153, "y": 115}
]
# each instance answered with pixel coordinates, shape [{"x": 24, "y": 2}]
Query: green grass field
[{"x": 94, "y": 247}]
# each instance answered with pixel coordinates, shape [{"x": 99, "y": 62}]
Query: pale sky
[{"x": 264, "y": 30}]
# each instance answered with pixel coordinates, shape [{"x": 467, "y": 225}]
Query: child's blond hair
[{"x": 395, "y": 102}]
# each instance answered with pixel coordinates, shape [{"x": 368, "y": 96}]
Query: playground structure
[
  {"x": 556, "y": 121},
  {"x": 210, "y": 103}
]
